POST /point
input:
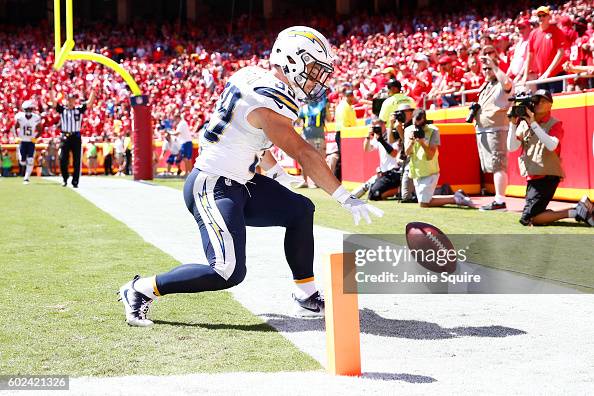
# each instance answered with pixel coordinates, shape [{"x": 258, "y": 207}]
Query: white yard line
[{"x": 427, "y": 343}]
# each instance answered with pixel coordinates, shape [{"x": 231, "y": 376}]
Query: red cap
[{"x": 523, "y": 23}]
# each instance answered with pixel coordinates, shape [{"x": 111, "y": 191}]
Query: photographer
[
  {"x": 399, "y": 120},
  {"x": 491, "y": 122},
  {"x": 421, "y": 142},
  {"x": 539, "y": 136},
  {"x": 390, "y": 105},
  {"x": 388, "y": 178}
]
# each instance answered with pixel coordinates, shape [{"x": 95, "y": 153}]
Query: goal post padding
[{"x": 143, "y": 138}]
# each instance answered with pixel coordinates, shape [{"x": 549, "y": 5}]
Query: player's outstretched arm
[{"x": 280, "y": 132}]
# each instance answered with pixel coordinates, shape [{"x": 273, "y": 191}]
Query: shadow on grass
[
  {"x": 262, "y": 327},
  {"x": 410, "y": 378},
  {"x": 372, "y": 323}
]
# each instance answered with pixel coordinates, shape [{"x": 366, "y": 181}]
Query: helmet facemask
[{"x": 312, "y": 81}]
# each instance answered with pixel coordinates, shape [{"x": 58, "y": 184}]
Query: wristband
[{"x": 341, "y": 195}]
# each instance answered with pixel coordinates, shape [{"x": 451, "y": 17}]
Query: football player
[
  {"x": 28, "y": 129},
  {"x": 224, "y": 193}
]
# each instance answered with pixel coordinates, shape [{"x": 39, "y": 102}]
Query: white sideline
[{"x": 417, "y": 343}]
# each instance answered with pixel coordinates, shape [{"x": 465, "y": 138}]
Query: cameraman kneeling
[
  {"x": 388, "y": 177},
  {"x": 539, "y": 135},
  {"x": 421, "y": 141}
]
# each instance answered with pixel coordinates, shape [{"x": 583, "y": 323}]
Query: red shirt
[
  {"x": 543, "y": 45},
  {"x": 420, "y": 85},
  {"x": 472, "y": 81}
]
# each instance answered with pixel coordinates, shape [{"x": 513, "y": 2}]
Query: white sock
[
  {"x": 147, "y": 286},
  {"x": 572, "y": 213},
  {"x": 305, "y": 289},
  {"x": 499, "y": 199},
  {"x": 28, "y": 171}
]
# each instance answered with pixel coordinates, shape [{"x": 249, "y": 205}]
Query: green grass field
[{"x": 62, "y": 261}]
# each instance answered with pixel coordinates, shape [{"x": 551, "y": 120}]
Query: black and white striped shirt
[{"x": 71, "y": 119}]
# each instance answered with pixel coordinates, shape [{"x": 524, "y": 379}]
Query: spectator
[
  {"x": 185, "y": 140},
  {"x": 539, "y": 135},
  {"x": 6, "y": 163},
  {"x": 580, "y": 53},
  {"x": 422, "y": 79},
  {"x": 491, "y": 128},
  {"x": 52, "y": 153},
  {"x": 119, "y": 153},
  {"x": 314, "y": 116},
  {"x": 473, "y": 79},
  {"x": 520, "y": 53},
  {"x": 171, "y": 145},
  {"x": 107, "y": 150},
  {"x": 44, "y": 162},
  {"x": 421, "y": 142},
  {"x": 92, "y": 156},
  {"x": 127, "y": 154},
  {"x": 448, "y": 82},
  {"x": 546, "y": 46}
]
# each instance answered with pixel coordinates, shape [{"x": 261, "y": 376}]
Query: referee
[{"x": 70, "y": 125}]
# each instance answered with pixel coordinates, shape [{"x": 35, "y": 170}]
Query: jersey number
[
  {"x": 27, "y": 131},
  {"x": 225, "y": 107}
]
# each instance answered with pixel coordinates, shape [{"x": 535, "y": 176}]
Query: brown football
[{"x": 434, "y": 250}]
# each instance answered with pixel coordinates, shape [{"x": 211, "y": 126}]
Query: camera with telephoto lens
[
  {"x": 521, "y": 104},
  {"x": 400, "y": 116},
  {"x": 472, "y": 112}
]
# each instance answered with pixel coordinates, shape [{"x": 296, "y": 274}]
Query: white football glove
[
  {"x": 278, "y": 173},
  {"x": 357, "y": 207}
]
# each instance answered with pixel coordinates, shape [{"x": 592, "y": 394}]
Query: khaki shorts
[
  {"x": 492, "y": 151},
  {"x": 425, "y": 187}
]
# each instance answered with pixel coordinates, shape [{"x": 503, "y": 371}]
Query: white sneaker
[
  {"x": 462, "y": 199},
  {"x": 26, "y": 181},
  {"x": 136, "y": 304},
  {"x": 311, "y": 307}
]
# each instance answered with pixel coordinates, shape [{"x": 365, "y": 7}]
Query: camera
[
  {"x": 419, "y": 132},
  {"x": 377, "y": 130},
  {"x": 472, "y": 112},
  {"x": 400, "y": 116},
  {"x": 521, "y": 103}
]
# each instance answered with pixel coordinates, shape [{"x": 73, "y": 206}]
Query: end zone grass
[{"x": 62, "y": 260}]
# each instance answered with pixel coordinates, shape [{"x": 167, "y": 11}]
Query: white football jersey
[
  {"x": 26, "y": 128},
  {"x": 230, "y": 146}
]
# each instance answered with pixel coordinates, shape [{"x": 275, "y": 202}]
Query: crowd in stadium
[{"x": 182, "y": 72}]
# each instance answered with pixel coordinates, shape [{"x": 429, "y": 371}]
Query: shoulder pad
[{"x": 278, "y": 98}]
